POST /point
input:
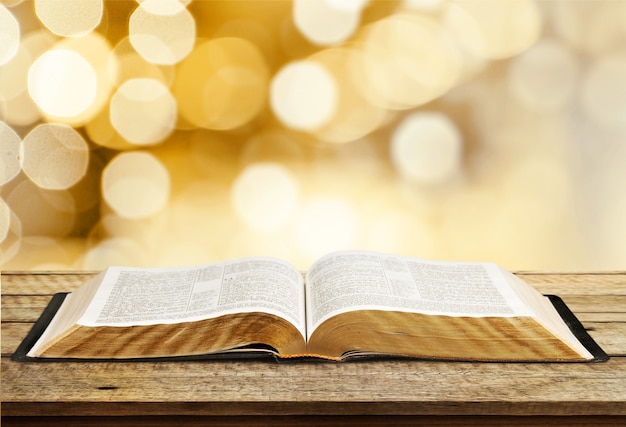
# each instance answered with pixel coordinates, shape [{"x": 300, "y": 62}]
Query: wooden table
[{"x": 230, "y": 393}]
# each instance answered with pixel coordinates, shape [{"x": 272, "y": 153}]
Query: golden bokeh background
[{"x": 176, "y": 132}]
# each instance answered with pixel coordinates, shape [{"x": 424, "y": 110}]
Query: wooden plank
[
  {"x": 12, "y": 336},
  {"x": 19, "y": 301},
  {"x": 610, "y": 336},
  {"x": 604, "y": 287},
  {"x": 42, "y": 283},
  {"x": 23, "y": 308},
  {"x": 596, "y": 304},
  {"x": 325, "y": 420},
  {"x": 601, "y": 317},
  {"x": 613, "y": 278},
  {"x": 376, "y": 388}
]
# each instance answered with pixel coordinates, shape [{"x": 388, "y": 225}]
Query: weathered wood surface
[{"x": 380, "y": 388}]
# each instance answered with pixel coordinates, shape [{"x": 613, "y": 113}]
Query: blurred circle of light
[
  {"x": 327, "y": 22},
  {"x": 55, "y": 156},
  {"x": 545, "y": 76},
  {"x": 10, "y": 155},
  {"x": 62, "y": 83},
  {"x": 96, "y": 50},
  {"x": 162, "y": 31},
  {"x": 603, "y": 93},
  {"x": 222, "y": 84},
  {"x": 143, "y": 111},
  {"x": 135, "y": 185},
  {"x": 407, "y": 60},
  {"x": 303, "y": 95},
  {"x": 426, "y": 148},
  {"x": 70, "y": 18},
  {"x": 494, "y": 29},
  {"x": 324, "y": 225},
  {"x": 265, "y": 196},
  {"x": 9, "y": 35}
]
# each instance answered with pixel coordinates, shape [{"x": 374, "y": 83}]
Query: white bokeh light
[
  {"x": 327, "y": 22},
  {"x": 426, "y": 148},
  {"x": 162, "y": 31},
  {"x": 55, "y": 156},
  {"x": 136, "y": 185},
  {"x": 70, "y": 18},
  {"x": 143, "y": 111},
  {"x": 304, "y": 95},
  {"x": 265, "y": 196},
  {"x": 62, "y": 83}
]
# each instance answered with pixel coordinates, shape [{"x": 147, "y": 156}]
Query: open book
[{"x": 349, "y": 304}]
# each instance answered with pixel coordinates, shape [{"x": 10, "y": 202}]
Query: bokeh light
[
  {"x": 143, "y": 111},
  {"x": 304, "y": 95},
  {"x": 327, "y": 22},
  {"x": 55, "y": 156},
  {"x": 62, "y": 83},
  {"x": 162, "y": 31},
  {"x": 169, "y": 132},
  {"x": 70, "y": 18},
  {"x": 135, "y": 185},
  {"x": 265, "y": 196},
  {"x": 96, "y": 51},
  {"x": 426, "y": 148}
]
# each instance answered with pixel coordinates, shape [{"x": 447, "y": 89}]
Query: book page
[
  {"x": 348, "y": 281},
  {"x": 134, "y": 296}
]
